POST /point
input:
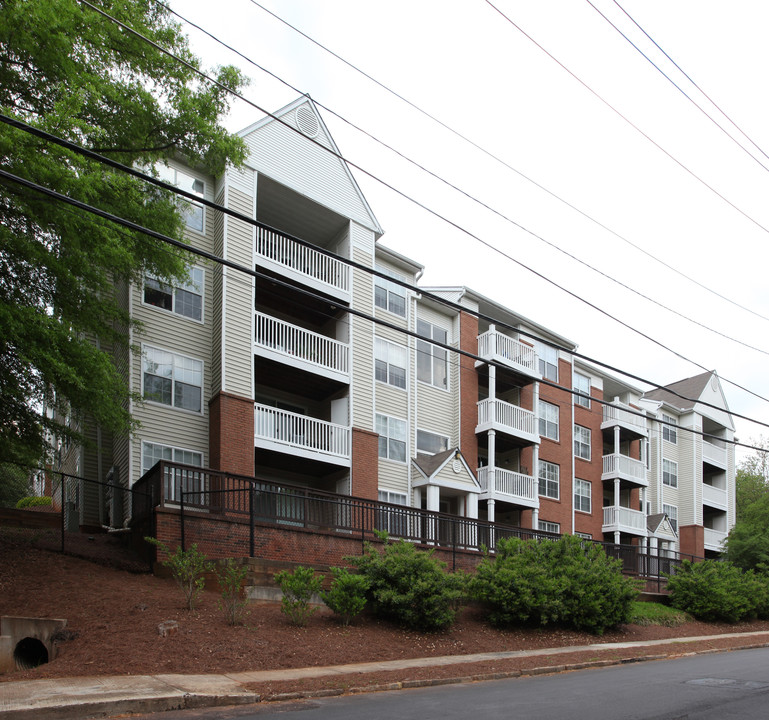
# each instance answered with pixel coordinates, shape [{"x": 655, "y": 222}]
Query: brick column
[
  {"x": 364, "y": 473},
  {"x": 231, "y": 434},
  {"x": 692, "y": 540},
  {"x": 468, "y": 390}
]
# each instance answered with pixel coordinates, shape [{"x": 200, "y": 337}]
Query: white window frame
[
  {"x": 549, "y": 478},
  {"x": 583, "y": 495},
  {"x": 391, "y": 519},
  {"x": 669, "y": 473},
  {"x": 193, "y": 481},
  {"x": 672, "y": 512},
  {"x": 548, "y": 360},
  {"x": 582, "y": 386},
  {"x": 190, "y": 183},
  {"x": 423, "y": 435},
  {"x": 582, "y": 440},
  {"x": 670, "y": 433},
  {"x": 392, "y": 433},
  {"x": 180, "y": 366},
  {"x": 547, "y": 526},
  {"x": 388, "y": 290},
  {"x": 436, "y": 357},
  {"x": 583, "y": 536},
  {"x": 545, "y": 420},
  {"x": 195, "y": 286},
  {"x": 387, "y": 357}
]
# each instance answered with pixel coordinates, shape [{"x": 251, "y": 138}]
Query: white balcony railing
[
  {"x": 625, "y": 468},
  {"x": 304, "y": 260},
  {"x": 292, "y": 430},
  {"x": 510, "y": 418},
  {"x": 510, "y": 486},
  {"x": 713, "y": 454},
  {"x": 714, "y": 496},
  {"x": 714, "y": 539},
  {"x": 616, "y": 517},
  {"x": 300, "y": 344},
  {"x": 493, "y": 345},
  {"x": 615, "y": 415}
]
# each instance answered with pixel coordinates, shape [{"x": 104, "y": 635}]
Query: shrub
[
  {"x": 230, "y": 575},
  {"x": 410, "y": 586},
  {"x": 716, "y": 591},
  {"x": 26, "y": 502},
  {"x": 188, "y": 569},
  {"x": 297, "y": 588},
  {"x": 347, "y": 594},
  {"x": 562, "y": 581}
]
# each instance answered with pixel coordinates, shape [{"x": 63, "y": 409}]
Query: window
[
  {"x": 392, "y": 438},
  {"x": 550, "y": 527},
  {"x": 549, "y": 484},
  {"x": 669, "y": 473},
  {"x": 582, "y": 495},
  {"x": 582, "y": 386},
  {"x": 584, "y": 536},
  {"x": 672, "y": 512},
  {"x": 669, "y": 432},
  {"x": 582, "y": 442},
  {"x": 388, "y": 295},
  {"x": 189, "y": 481},
  {"x": 193, "y": 212},
  {"x": 548, "y": 360},
  {"x": 172, "y": 379},
  {"x": 431, "y": 443},
  {"x": 186, "y": 299},
  {"x": 394, "y": 520},
  {"x": 390, "y": 363},
  {"x": 548, "y": 420},
  {"x": 432, "y": 361}
]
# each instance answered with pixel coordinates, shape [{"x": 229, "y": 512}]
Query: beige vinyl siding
[
  {"x": 394, "y": 476},
  {"x": 238, "y": 301},
  {"x": 362, "y": 335},
  {"x": 216, "y": 285},
  {"x": 292, "y": 159},
  {"x": 688, "y": 480}
]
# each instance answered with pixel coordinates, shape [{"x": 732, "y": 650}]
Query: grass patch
[{"x": 652, "y": 613}]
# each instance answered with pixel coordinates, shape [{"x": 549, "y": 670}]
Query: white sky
[{"x": 465, "y": 64}]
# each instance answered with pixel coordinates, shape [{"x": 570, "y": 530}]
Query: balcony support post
[
  {"x": 490, "y": 509},
  {"x": 616, "y": 440}
]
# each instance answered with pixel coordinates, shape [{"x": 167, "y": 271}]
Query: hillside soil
[{"x": 113, "y": 617}]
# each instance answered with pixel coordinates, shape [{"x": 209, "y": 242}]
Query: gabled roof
[
  {"x": 659, "y": 524},
  {"x": 447, "y": 469},
  {"x": 691, "y": 388}
]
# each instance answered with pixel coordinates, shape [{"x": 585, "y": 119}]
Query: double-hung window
[
  {"x": 582, "y": 387},
  {"x": 393, "y": 519},
  {"x": 185, "y": 299},
  {"x": 429, "y": 443},
  {"x": 582, "y": 495},
  {"x": 172, "y": 379},
  {"x": 669, "y": 473},
  {"x": 191, "y": 482},
  {"x": 194, "y": 214},
  {"x": 548, "y": 420},
  {"x": 389, "y": 295},
  {"x": 432, "y": 361},
  {"x": 672, "y": 512},
  {"x": 390, "y": 363},
  {"x": 669, "y": 431},
  {"x": 549, "y": 485},
  {"x": 548, "y": 360},
  {"x": 392, "y": 438},
  {"x": 547, "y": 526},
  {"x": 582, "y": 442}
]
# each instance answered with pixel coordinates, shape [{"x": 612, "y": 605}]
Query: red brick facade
[
  {"x": 468, "y": 389},
  {"x": 231, "y": 434},
  {"x": 692, "y": 540},
  {"x": 364, "y": 473}
]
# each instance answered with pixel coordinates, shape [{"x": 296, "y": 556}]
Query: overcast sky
[{"x": 467, "y": 65}]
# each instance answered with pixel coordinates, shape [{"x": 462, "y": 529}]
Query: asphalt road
[{"x": 718, "y": 686}]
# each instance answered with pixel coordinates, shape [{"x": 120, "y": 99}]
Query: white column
[
  {"x": 471, "y": 505},
  {"x": 490, "y": 509},
  {"x": 616, "y": 440},
  {"x": 417, "y": 492},
  {"x": 535, "y": 519}
]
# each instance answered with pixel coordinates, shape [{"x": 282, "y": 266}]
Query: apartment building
[{"x": 285, "y": 377}]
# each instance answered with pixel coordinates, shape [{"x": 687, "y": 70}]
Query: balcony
[
  {"x": 626, "y": 417},
  {"x": 286, "y": 343},
  {"x": 500, "y": 348},
  {"x": 714, "y": 497},
  {"x": 714, "y": 539},
  {"x": 289, "y": 258},
  {"x": 512, "y": 487},
  {"x": 714, "y": 455},
  {"x": 295, "y": 434},
  {"x": 625, "y": 468},
  {"x": 622, "y": 519},
  {"x": 507, "y": 418}
]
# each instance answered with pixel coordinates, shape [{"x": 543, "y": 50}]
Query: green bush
[
  {"x": 715, "y": 591},
  {"x": 231, "y": 575},
  {"x": 561, "y": 581},
  {"x": 298, "y": 588},
  {"x": 410, "y": 586},
  {"x": 26, "y": 502},
  {"x": 347, "y": 595},
  {"x": 188, "y": 569}
]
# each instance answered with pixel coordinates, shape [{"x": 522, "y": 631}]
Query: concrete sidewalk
[{"x": 85, "y": 697}]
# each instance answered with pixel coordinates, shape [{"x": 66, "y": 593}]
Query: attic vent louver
[{"x": 306, "y": 121}]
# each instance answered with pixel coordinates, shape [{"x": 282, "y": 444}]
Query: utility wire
[
  {"x": 471, "y": 197},
  {"x": 135, "y": 227},
  {"x": 402, "y": 194},
  {"x": 491, "y": 155}
]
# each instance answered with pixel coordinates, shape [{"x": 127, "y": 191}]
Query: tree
[
  {"x": 752, "y": 480},
  {"x": 75, "y": 73},
  {"x": 748, "y": 543}
]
